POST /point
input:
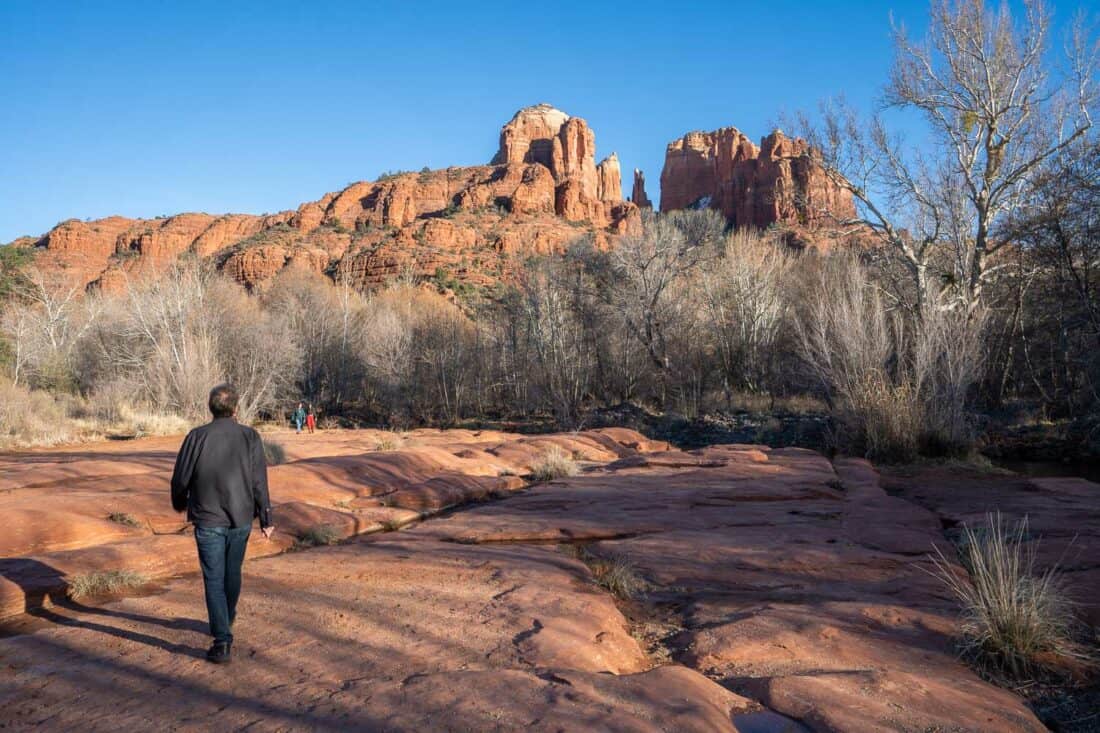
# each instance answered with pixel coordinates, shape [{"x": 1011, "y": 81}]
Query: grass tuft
[
  {"x": 1017, "y": 623},
  {"x": 123, "y": 518},
  {"x": 555, "y": 463},
  {"x": 612, "y": 571},
  {"x": 105, "y": 582},
  {"x": 274, "y": 453},
  {"x": 320, "y": 534},
  {"x": 392, "y": 440}
]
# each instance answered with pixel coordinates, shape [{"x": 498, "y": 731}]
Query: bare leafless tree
[
  {"x": 44, "y": 319},
  {"x": 256, "y": 348},
  {"x": 168, "y": 338},
  {"x": 174, "y": 335},
  {"x": 446, "y": 349},
  {"x": 559, "y": 349},
  {"x": 15, "y": 324},
  {"x": 744, "y": 298},
  {"x": 900, "y": 383},
  {"x": 322, "y": 320},
  {"x": 636, "y": 278},
  {"x": 997, "y": 114},
  {"x": 1055, "y": 320}
]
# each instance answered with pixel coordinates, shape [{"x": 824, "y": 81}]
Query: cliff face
[
  {"x": 638, "y": 195},
  {"x": 776, "y": 183},
  {"x": 566, "y": 147},
  {"x": 542, "y": 190}
]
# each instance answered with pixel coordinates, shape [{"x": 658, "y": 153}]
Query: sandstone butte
[
  {"x": 777, "y": 183},
  {"x": 542, "y": 190},
  {"x": 781, "y": 591}
]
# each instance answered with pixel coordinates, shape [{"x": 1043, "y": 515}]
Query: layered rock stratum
[
  {"x": 542, "y": 190},
  {"x": 778, "y": 182},
  {"x": 780, "y": 591}
]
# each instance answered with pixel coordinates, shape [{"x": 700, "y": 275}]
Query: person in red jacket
[{"x": 311, "y": 420}]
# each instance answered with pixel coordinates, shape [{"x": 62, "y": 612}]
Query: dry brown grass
[
  {"x": 144, "y": 422},
  {"x": 123, "y": 518},
  {"x": 111, "y": 412},
  {"x": 612, "y": 571},
  {"x": 318, "y": 535},
  {"x": 105, "y": 582},
  {"x": 889, "y": 416},
  {"x": 31, "y": 418},
  {"x": 392, "y": 440},
  {"x": 555, "y": 463},
  {"x": 1016, "y": 621},
  {"x": 35, "y": 418}
]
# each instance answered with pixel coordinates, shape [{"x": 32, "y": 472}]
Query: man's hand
[{"x": 268, "y": 531}]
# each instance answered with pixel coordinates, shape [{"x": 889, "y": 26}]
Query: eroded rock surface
[
  {"x": 542, "y": 190},
  {"x": 776, "y": 183},
  {"x": 795, "y": 583},
  {"x": 89, "y": 509},
  {"x": 1063, "y": 515},
  {"x": 784, "y": 592}
]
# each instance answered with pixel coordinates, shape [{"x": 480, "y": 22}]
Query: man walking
[
  {"x": 221, "y": 480},
  {"x": 299, "y": 417}
]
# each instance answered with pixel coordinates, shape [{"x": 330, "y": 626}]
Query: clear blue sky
[{"x": 148, "y": 108}]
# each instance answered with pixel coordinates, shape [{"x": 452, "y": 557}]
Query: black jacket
[{"x": 221, "y": 476}]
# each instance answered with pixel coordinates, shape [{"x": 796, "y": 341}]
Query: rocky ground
[{"x": 782, "y": 591}]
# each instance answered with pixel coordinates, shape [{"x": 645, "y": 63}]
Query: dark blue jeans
[{"x": 221, "y": 553}]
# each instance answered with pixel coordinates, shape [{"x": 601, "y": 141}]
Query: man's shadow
[{"x": 44, "y": 592}]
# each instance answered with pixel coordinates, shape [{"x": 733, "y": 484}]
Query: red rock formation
[
  {"x": 610, "y": 179},
  {"x": 567, "y": 147},
  {"x": 461, "y": 219},
  {"x": 777, "y": 183},
  {"x": 639, "y": 197},
  {"x": 530, "y": 135}
]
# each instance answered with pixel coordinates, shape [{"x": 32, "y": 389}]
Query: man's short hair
[{"x": 223, "y": 400}]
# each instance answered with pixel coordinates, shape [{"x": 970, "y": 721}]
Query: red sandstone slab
[{"x": 395, "y": 634}]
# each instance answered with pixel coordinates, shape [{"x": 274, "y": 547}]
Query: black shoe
[{"x": 219, "y": 653}]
